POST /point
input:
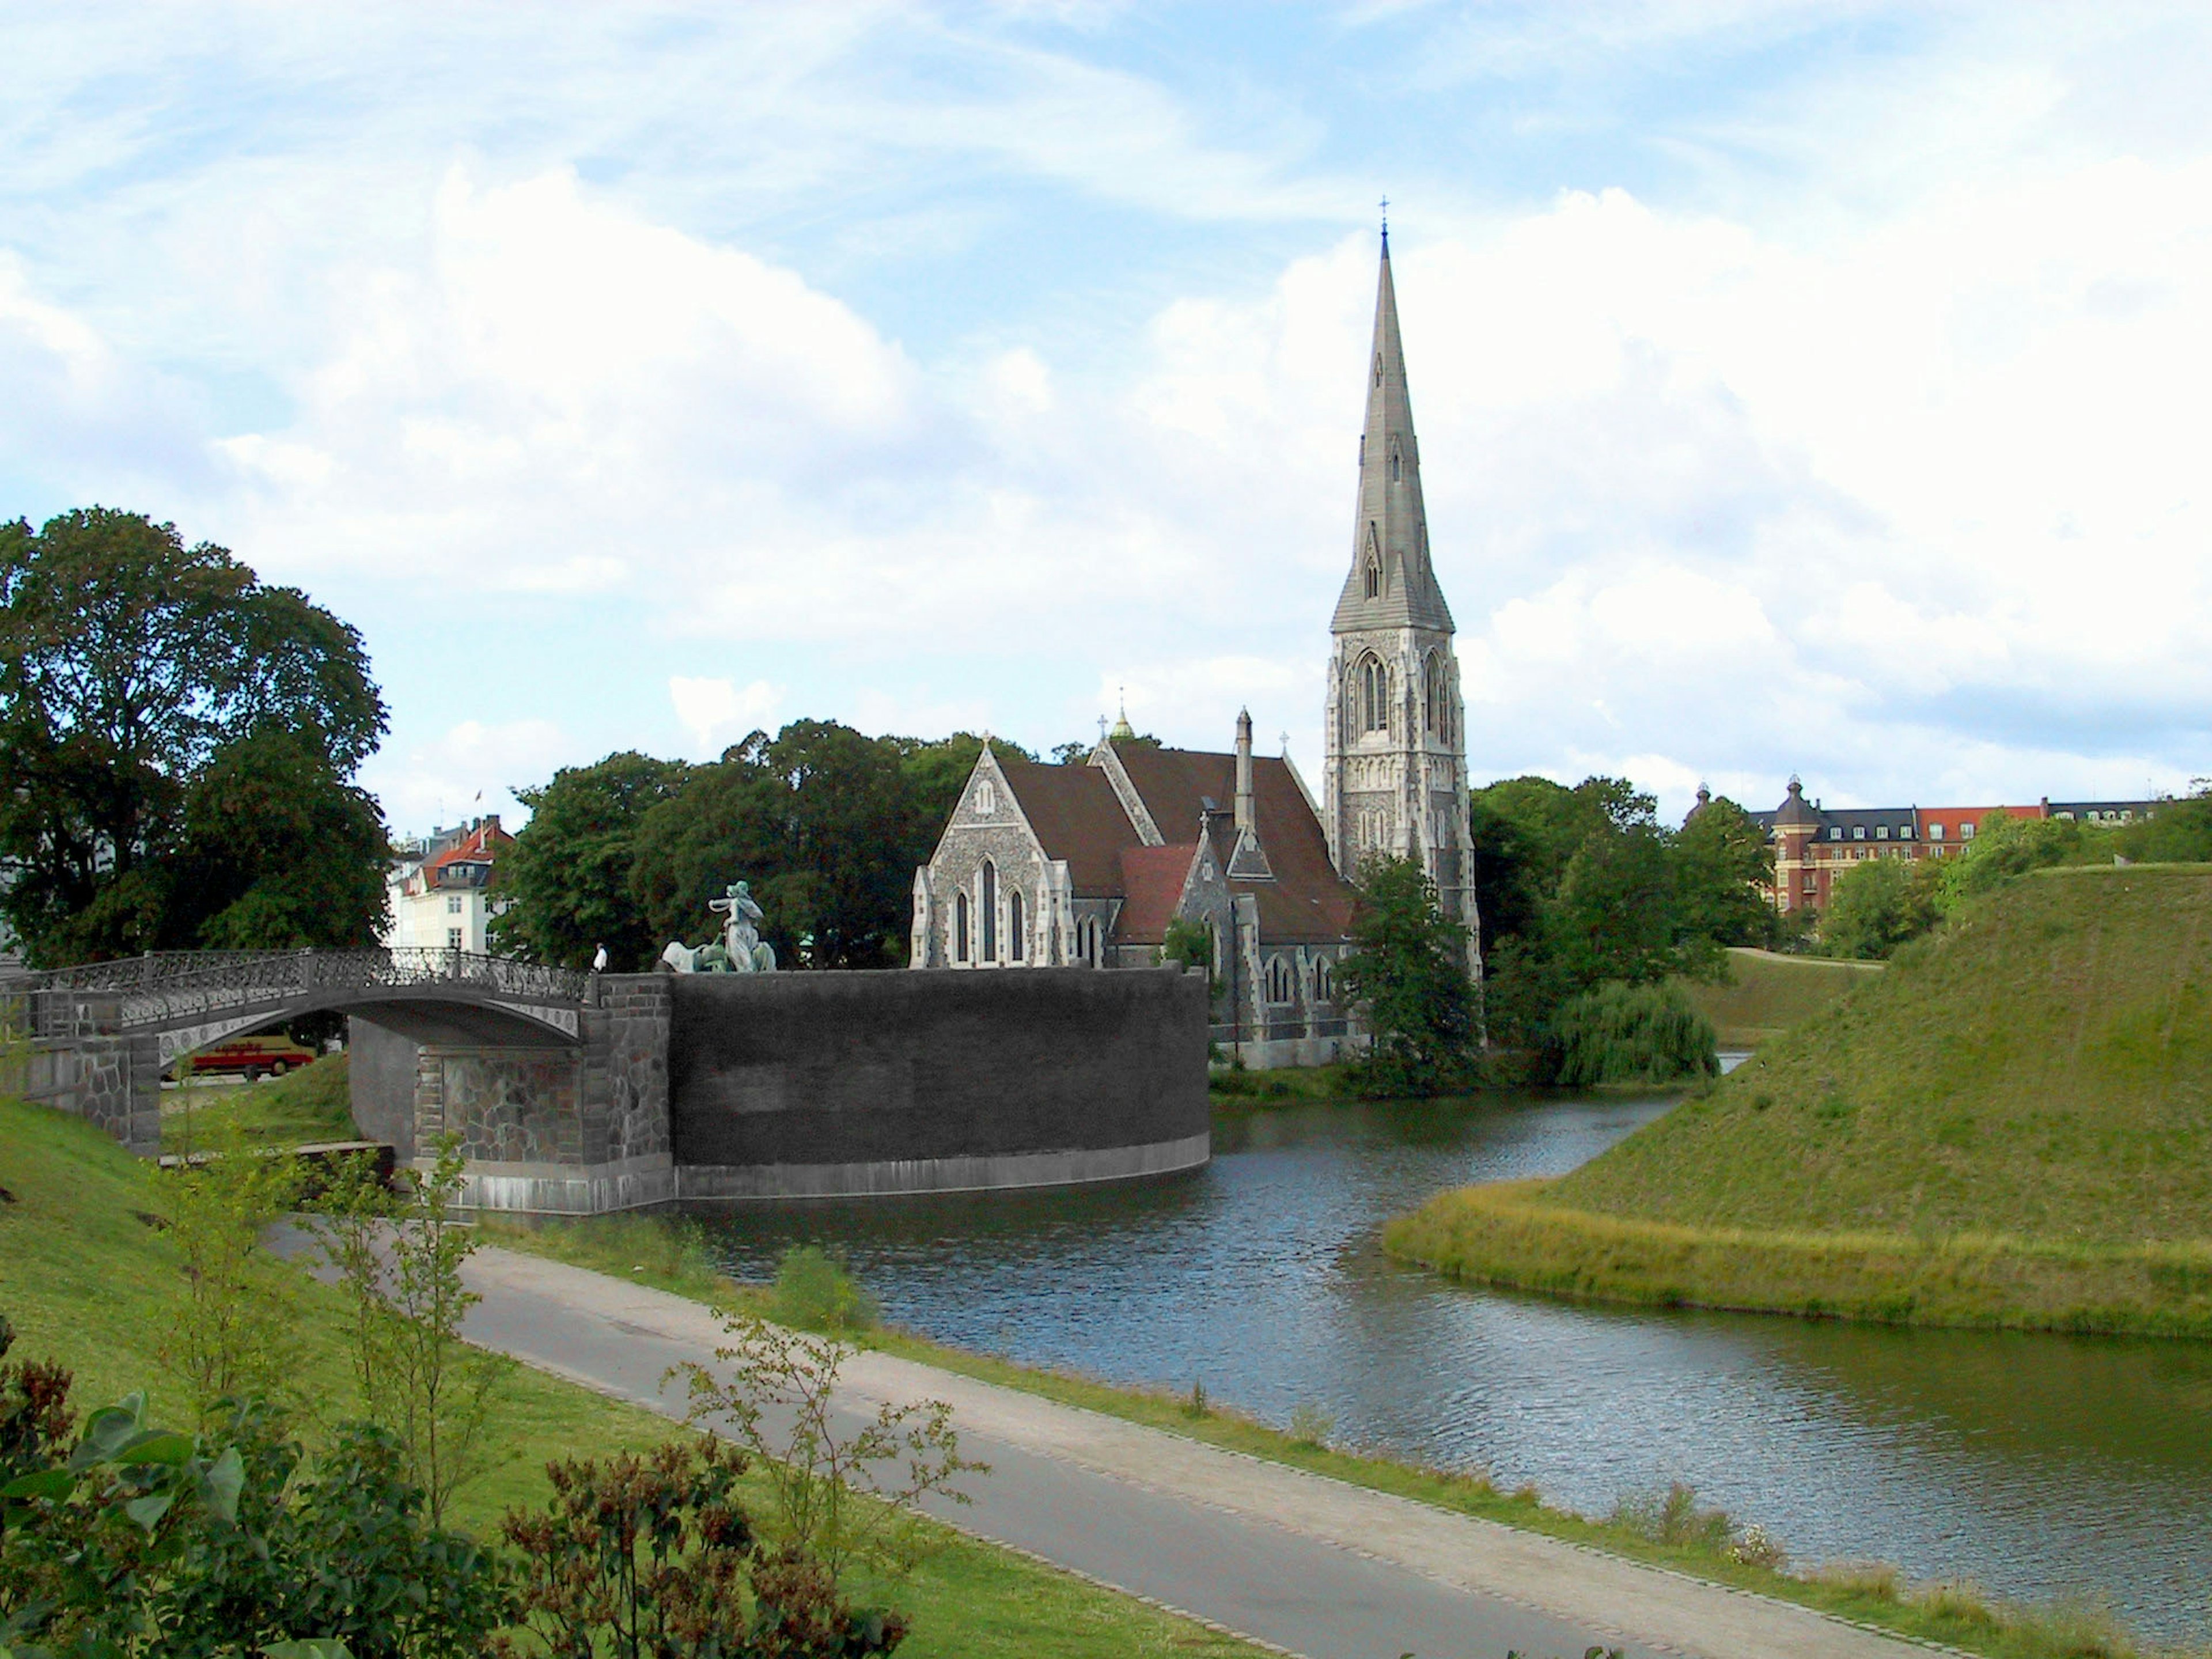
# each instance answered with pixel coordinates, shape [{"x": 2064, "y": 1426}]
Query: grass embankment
[
  {"x": 311, "y": 1105},
  {"x": 670, "y": 1254},
  {"x": 89, "y": 1280},
  {"x": 1766, "y": 993},
  {"x": 2011, "y": 1127},
  {"x": 1234, "y": 1086}
]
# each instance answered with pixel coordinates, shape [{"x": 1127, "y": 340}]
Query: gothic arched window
[
  {"x": 960, "y": 927},
  {"x": 1374, "y": 682},
  {"x": 1279, "y": 980},
  {"x": 1372, "y": 582},
  {"x": 1014, "y": 926},
  {"x": 1393, "y": 464},
  {"x": 990, "y": 911},
  {"x": 1324, "y": 981}
]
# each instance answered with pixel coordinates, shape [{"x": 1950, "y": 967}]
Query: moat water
[{"x": 2038, "y": 1466}]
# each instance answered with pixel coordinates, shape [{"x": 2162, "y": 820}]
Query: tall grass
[{"x": 1511, "y": 1234}]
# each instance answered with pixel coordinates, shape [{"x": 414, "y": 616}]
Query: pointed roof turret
[{"x": 1391, "y": 584}]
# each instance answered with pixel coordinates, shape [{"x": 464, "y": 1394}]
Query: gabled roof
[
  {"x": 1076, "y": 817},
  {"x": 1079, "y": 818},
  {"x": 481, "y": 845},
  {"x": 1152, "y": 880},
  {"x": 1307, "y": 901}
]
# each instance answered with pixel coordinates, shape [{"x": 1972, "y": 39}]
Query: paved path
[{"x": 1319, "y": 1568}]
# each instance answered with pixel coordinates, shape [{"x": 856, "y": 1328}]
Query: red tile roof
[
  {"x": 1079, "y": 818},
  {"x": 481, "y": 845},
  {"x": 1152, "y": 880},
  {"x": 1075, "y": 815}
]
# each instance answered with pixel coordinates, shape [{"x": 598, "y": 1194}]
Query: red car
[{"x": 251, "y": 1057}]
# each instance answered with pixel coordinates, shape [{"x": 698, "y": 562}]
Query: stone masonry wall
[{"x": 624, "y": 1099}]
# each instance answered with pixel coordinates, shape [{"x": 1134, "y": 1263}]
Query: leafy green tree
[
  {"x": 1878, "y": 905},
  {"x": 278, "y": 850},
  {"x": 128, "y": 663},
  {"x": 826, "y": 824},
  {"x": 1724, "y": 860},
  {"x": 1643, "y": 1033},
  {"x": 569, "y": 877},
  {"x": 2179, "y": 832},
  {"x": 1583, "y": 886},
  {"x": 1187, "y": 944},
  {"x": 1408, "y": 972}
]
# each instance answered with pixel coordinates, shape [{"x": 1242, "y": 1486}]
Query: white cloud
[
  {"x": 1873, "y": 453},
  {"x": 471, "y": 769},
  {"x": 714, "y": 712}
]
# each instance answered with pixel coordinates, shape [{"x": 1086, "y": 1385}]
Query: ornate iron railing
[{"x": 167, "y": 986}]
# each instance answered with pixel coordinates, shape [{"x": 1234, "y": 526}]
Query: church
[{"x": 1087, "y": 865}]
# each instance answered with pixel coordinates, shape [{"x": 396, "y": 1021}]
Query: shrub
[
  {"x": 235, "y": 1334},
  {"x": 143, "y": 1542},
  {"x": 1311, "y": 1426},
  {"x": 1673, "y": 1517},
  {"x": 654, "y": 1558},
  {"x": 836, "y": 1500},
  {"x": 399, "y": 1263},
  {"x": 1622, "y": 1033},
  {"x": 814, "y": 1292}
]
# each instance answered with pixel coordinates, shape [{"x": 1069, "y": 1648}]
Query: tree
[
  {"x": 1409, "y": 974},
  {"x": 2179, "y": 832},
  {"x": 128, "y": 664},
  {"x": 1582, "y": 887},
  {"x": 569, "y": 877},
  {"x": 400, "y": 1264},
  {"x": 277, "y": 850},
  {"x": 1723, "y": 862},
  {"x": 1875, "y": 907}
]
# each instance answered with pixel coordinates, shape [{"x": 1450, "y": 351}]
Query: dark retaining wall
[{"x": 907, "y": 1081}]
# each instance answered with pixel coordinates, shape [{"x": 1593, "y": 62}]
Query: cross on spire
[{"x": 1386, "y": 223}]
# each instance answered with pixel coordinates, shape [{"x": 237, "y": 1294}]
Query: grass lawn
[
  {"x": 1766, "y": 993},
  {"x": 90, "y": 1281},
  {"x": 667, "y": 1254},
  {"x": 311, "y": 1104}
]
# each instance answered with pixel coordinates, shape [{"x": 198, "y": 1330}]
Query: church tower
[{"x": 1394, "y": 779}]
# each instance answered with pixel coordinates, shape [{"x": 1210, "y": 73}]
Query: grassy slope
[
  {"x": 1767, "y": 994},
  {"x": 2045, "y": 1070},
  {"x": 89, "y": 1283},
  {"x": 2012, "y": 1126},
  {"x": 311, "y": 1104}
]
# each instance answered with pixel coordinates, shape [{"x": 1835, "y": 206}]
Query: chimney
[
  {"x": 1247, "y": 824},
  {"x": 1250, "y": 860}
]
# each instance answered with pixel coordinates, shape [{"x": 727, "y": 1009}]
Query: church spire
[{"x": 1391, "y": 584}]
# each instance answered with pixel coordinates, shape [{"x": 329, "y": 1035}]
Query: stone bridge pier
[
  {"x": 565, "y": 1129},
  {"x": 79, "y": 1054}
]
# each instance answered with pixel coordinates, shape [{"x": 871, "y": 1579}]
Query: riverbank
[
  {"x": 87, "y": 1275},
  {"x": 670, "y": 1254},
  {"x": 1507, "y": 1237}
]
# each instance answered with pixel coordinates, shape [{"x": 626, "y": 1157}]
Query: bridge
[{"x": 100, "y": 1036}]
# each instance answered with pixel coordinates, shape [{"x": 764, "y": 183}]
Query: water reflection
[{"x": 2038, "y": 1465}]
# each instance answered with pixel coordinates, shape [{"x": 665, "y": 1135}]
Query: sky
[{"x": 1814, "y": 390}]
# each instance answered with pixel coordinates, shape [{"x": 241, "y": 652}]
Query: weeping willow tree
[{"x": 1622, "y": 1033}]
